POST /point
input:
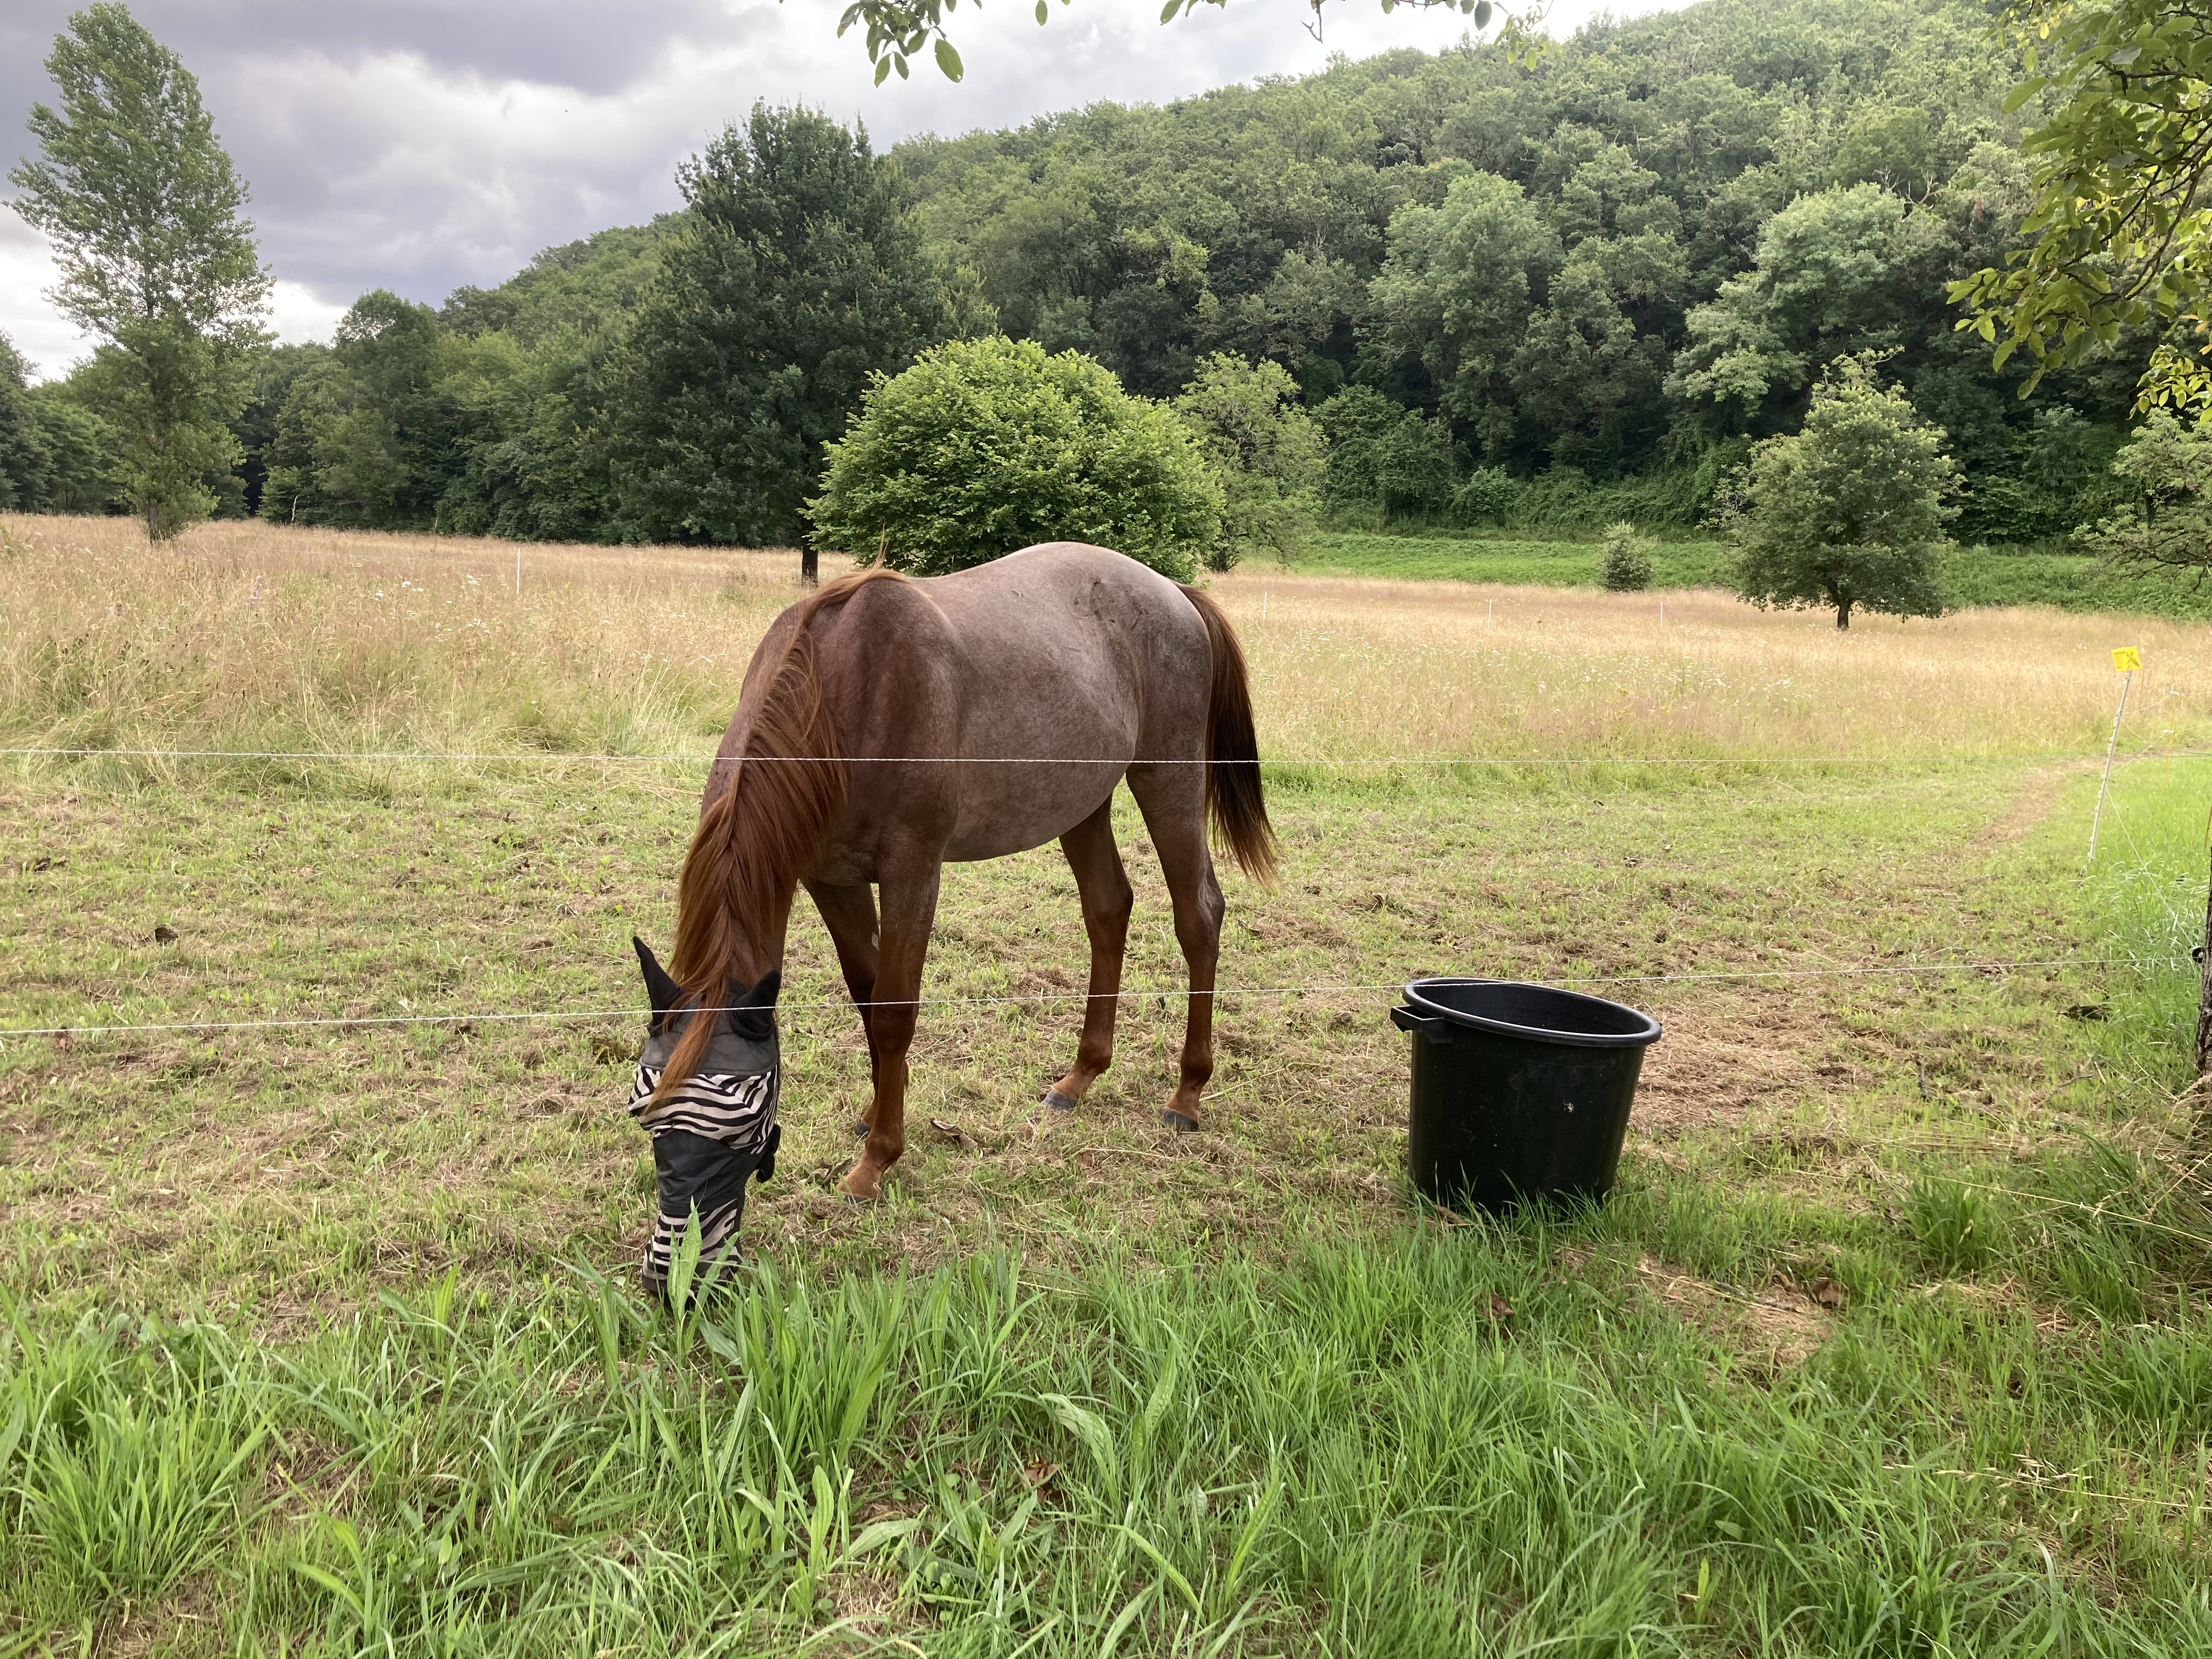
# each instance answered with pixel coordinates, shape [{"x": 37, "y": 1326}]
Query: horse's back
[{"x": 1029, "y": 684}]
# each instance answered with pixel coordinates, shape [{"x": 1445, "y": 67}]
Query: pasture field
[
  {"x": 319, "y": 1339},
  {"x": 1976, "y": 576}
]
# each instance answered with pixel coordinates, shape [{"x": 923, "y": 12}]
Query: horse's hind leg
[
  {"x": 849, "y": 914},
  {"x": 909, "y": 901},
  {"x": 1104, "y": 886},
  {"x": 1173, "y": 800}
]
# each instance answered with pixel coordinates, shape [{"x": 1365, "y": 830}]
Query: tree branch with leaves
[
  {"x": 2122, "y": 210},
  {"x": 898, "y": 32}
]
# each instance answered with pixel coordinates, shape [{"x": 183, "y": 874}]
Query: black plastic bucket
[{"x": 1519, "y": 1092}]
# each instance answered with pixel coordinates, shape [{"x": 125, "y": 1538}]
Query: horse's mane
[{"x": 759, "y": 836}]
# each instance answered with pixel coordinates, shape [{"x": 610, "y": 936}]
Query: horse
[{"x": 888, "y": 726}]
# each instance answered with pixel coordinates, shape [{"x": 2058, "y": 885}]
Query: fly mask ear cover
[{"x": 718, "y": 1127}]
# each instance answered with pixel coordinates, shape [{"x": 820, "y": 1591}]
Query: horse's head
[{"x": 716, "y": 1127}]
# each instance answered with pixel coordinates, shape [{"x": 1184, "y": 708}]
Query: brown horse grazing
[{"x": 888, "y": 726}]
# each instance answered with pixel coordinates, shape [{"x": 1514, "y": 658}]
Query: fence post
[
  {"x": 2204, "y": 987},
  {"x": 809, "y": 566}
]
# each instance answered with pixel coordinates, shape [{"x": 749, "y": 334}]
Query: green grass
[
  {"x": 1482, "y": 1438},
  {"x": 1976, "y": 577},
  {"x": 1542, "y": 563},
  {"x": 2071, "y": 582}
]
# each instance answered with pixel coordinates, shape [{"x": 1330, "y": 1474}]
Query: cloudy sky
[{"x": 420, "y": 144}]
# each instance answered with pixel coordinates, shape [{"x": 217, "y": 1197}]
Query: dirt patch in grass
[
  {"x": 189, "y": 1618},
  {"x": 1715, "y": 1067},
  {"x": 1774, "y": 1328}
]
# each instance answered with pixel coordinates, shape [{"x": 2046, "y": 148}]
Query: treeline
[{"x": 1558, "y": 293}]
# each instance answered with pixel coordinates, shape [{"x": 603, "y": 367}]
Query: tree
[
  {"x": 986, "y": 446},
  {"x": 85, "y": 470},
  {"x": 25, "y": 466},
  {"x": 1384, "y": 461},
  {"x": 2121, "y": 219},
  {"x": 142, "y": 208},
  {"x": 2169, "y": 463},
  {"x": 1848, "y": 514},
  {"x": 363, "y": 436},
  {"x": 792, "y": 278},
  {"x": 1831, "y": 279},
  {"x": 1457, "y": 288},
  {"x": 1265, "y": 450}
]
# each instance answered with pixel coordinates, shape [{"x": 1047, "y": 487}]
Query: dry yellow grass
[
  {"x": 247, "y": 635},
  {"x": 1352, "y": 668}
]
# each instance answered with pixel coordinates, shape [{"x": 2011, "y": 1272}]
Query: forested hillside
[{"x": 1546, "y": 293}]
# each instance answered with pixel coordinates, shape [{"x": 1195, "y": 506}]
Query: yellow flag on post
[{"x": 2126, "y": 661}]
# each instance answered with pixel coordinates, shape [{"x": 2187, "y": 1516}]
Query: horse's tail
[
  {"x": 1232, "y": 750},
  {"x": 757, "y": 837}
]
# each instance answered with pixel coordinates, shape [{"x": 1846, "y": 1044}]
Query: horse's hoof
[
  {"x": 1177, "y": 1121},
  {"x": 1058, "y": 1102},
  {"x": 860, "y": 1184}
]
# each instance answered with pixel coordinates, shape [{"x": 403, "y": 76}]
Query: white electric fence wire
[
  {"x": 541, "y": 755},
  {"x": 527, "y": 1015}
]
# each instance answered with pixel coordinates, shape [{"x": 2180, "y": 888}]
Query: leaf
[
  {"x": 1123, "y": 1619},
  {"x": 336, "y": 1586},
  {"x": 1482, "y": 13},
  {"x": 683, "y": 1266},
  {"x": 1042, "y": 14},
  {"x": 1161, "y": 1561},
  {"x": 948, "y": 60},
  {"x": 1167, "y": 12},
  {"x": 1091, "y": 1429},
  {"x": 877, "y": 1534},
  {"x": 883, "y": 68},
  {"x": 719, "y": 1344}
]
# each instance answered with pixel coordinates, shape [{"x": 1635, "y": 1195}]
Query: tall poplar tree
[{"x": 143, "y": 209}]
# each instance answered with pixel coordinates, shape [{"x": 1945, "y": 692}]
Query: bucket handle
[{"x": 1428, "y": 1025}]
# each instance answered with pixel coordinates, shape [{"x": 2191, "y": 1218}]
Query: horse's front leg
[{"x": 909, "y": 910}]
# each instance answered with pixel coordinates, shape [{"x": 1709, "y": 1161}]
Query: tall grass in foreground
[
  {"x": 1447, "y": 1443},
  {"x": 255, "y": 636}
]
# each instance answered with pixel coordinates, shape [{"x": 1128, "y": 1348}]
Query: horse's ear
[
  {"x": 662, "y": 992},
  {"x": 752, "y": 1013}
]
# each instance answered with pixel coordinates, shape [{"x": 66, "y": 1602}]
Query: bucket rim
[{"x": 1652, "y": 1031}]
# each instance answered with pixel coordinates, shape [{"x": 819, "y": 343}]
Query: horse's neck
[{"x": 764, "y": 943}]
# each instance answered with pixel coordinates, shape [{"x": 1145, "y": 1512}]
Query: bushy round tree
[
  {"x": 1848, "y": 513},
  {"x": 984, "y": 447}
]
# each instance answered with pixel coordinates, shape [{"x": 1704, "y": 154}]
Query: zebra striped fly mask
[{"x": 715, "y": 1130}]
